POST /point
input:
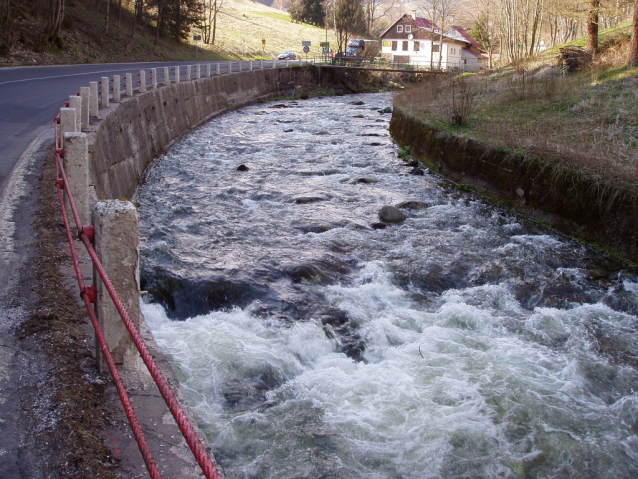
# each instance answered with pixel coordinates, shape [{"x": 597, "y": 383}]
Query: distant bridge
[{"x": 376, "y": 64}]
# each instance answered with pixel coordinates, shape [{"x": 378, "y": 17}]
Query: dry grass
[{"x": 587, "y": 120}]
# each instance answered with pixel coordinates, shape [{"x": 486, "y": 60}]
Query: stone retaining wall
[{"x": 601, "y": 212}]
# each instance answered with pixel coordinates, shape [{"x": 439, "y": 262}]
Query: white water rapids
[{"x": 457, "y": 344}]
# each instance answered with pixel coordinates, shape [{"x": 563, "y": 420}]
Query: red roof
[
  {"x": 466, "y": 35},
  {"x": 423, "y": 23}
]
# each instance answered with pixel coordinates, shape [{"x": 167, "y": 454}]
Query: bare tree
[
  {"x": 348, "y": 18},
  {"x": 592, "y": 26},
  {"x": 441, "y": 12},
  {"x": 209, "y": 23},
  {"x": 633, "y": 56},
  {"x": 376, "y": 9}
]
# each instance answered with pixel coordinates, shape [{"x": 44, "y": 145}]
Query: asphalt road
[{"x": 30, "y": 98}]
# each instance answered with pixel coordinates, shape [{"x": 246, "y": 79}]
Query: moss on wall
[{"x": 574, "y": 202}]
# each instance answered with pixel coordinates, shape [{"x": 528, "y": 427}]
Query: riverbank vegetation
[{"x": 587, "y": 120}]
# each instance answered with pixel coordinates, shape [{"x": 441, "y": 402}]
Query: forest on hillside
[{"x": 511, "y": 29}]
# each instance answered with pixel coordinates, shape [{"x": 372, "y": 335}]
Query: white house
[{"x": 417, "y": 41}]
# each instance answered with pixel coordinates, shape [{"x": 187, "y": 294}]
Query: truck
[{"x": 358, "y": 52}]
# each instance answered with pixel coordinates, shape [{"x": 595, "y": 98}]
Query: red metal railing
[{"x": 88, "y": 294}]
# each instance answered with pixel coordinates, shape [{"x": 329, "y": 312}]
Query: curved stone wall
[{"x": 574, "y": 203}]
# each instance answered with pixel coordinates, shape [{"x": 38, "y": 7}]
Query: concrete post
[
  {"x": 129, "y": 84},
  {"x": 167, "y": 78},
  {"x": 300, "y": 60},
  {"x": 116, "y": 244},
  {"x": 230, "y": 67},
  {"x": 261, "y": 64},
  {"x": 117, "y": 94},
  {"x": 286, "y": 63},
  {"x": 76, "y": 167},
  {"x": 67, "y": 122},
  {"x": 239, "y": 66},
  {"x": 188, "y": 72},
  {"x": 198, "y": 71},
  {"x": 105, "y": 91},
  {"x": 208, "y": 70},
  {"x": 251, "y": 65},
  {"x": 76, "y": 103},
  {"x": 142, "y": 80},
  {"x": 85, "y": 93},
  {"x": 93, "y": 104},
  {"x": 219, "y": 68},
  {"x": 177, "y": 74},
  {"x": 154, "y": 78}
]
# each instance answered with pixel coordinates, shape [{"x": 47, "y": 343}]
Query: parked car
[{"x": 287, "y": 55}]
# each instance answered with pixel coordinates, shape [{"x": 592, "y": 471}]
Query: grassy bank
[
  {"x": 241, "y": 28},
  {"x": 586, "y": 120}
]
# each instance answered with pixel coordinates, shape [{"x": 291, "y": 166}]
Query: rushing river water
[{"x": 312, "y": 343}]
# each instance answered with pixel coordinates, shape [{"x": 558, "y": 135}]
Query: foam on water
[{"x": 446, "y": 393}]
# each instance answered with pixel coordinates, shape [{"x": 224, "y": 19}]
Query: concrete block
[
  {"x": 93, "y": 99},
  {"x": 129, "y": 85},
  {"x": 76, "y": 168},
  {"x": 105, "y": 91},
  {"x": 76, "y": 103},
  {"x": 85, "y": 93},
  {"x": 117, "y": 85},
  {"x": 116, "y": 244},
  {"x": 67, "y": 122}
]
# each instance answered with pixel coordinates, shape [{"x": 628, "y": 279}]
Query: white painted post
[
  {"x": 105, "y": 91},
  {"x": 177, "y": 74},
  {"x": 286, "y": 63},
  {"x": 167, "y": 78},
  {"x": 76, "y": 168},
  {"x": 261, "y": 64},
  {"x": 116, "y": 244},
  {"x": 251, "y": 65},
  {"x": 230, "y": 67},
  {"x": 219, "y": 68},
  {"x": 188, "y": 72},
  {"x": 93, "y": 104},
  {"x": 208, "y": 70},
  {"x": 142, "y": 80},
  {"x": 67, "y": 122},
  {"x": 154, "y": 78},
  {"x": 85, "y": 93},
  {"x": 300, "y": 60},
  {"x": 117, "y": 85},
  {"x": 198, "y": 71},
  {"x": 129, "y": 84},
  {"x": 76, "y": 102}
]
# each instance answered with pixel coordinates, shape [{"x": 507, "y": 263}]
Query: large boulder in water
[{"x": 390, "y": 214}]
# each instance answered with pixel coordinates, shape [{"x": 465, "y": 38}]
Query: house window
[
  {"x": 405, "y": 45},
  {"x": 435, "y": 48},
  {"x": 394, "y": 45},
  {"x": 417, "y": 46},
  {"x": 399, "y": 28},
  {"x": 408, "y": 28}
]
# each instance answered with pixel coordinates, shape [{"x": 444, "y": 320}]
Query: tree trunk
[
  {"x": 592, "y": 27},
  {"x": 160, "y": 8},
  {"x": 106, "y": 17},
  {"x": 633, "y": 55}
]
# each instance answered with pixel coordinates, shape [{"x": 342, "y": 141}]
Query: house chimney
[{"x": 414, "y": 15}]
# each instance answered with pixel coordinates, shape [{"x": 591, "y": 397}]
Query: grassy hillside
[
  {"x": 587, "y": 120},
  {"x": 83, "y": 39}
]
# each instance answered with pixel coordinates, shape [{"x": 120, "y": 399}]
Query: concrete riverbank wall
[
  {"x": 603, "y": 212},
  {"x": 127, "y": 136}
]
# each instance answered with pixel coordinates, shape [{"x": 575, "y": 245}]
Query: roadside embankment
[{"x": 600, "y": 211}]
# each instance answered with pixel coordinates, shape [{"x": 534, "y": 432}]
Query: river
[{"x": 313, "y": 341}]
